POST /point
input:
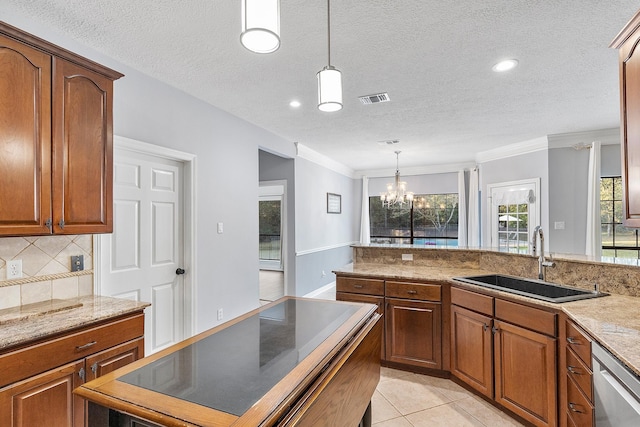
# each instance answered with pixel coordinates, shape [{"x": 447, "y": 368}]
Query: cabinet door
[
  {"x": 25, "y": 139},
  {"x": 44, "y": 400},
  {"x": 116, "y": 357},
  {"x": 630, "y": 110},
  {"x": 471, "y": 349},
  {"x": 413, "y": 332},
  {"x": 82, "y": 150},
  {"x": 525, "y": 373}
]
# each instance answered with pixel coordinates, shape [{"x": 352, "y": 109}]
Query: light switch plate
[
  {"x": 220, "y": 228},
  {"x": 407, "y": 257}
]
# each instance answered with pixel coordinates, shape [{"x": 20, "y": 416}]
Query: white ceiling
[{"x": 434, "y": 58}]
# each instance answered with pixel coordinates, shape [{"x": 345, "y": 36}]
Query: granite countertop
[
  {"x": 614, "y": 320},
  {"x": 35, "y": 321}
]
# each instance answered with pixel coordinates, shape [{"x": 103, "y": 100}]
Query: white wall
[
  {"x": 323, "y": 239},
  {"x": 227, "y": 173}
]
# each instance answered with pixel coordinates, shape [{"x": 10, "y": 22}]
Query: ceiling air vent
[
  {"x": 375, "y": 99},
  {"x": 389, "y": 142}
]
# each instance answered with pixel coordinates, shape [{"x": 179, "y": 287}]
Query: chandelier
[{"x": 397, "y": 194}]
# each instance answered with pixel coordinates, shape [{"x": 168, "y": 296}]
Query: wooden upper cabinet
[
  {"x": 82, "y": 150},
  {"x": 56, "y": 139},
  {"x": 629, "y": 53},
  {"x": 25, "y": 138}
]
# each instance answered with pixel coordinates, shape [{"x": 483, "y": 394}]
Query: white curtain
[
  {"x": 594, "y": 228},
  {"x": 473, "y": 224},
  {"x": 462, "y": 210},
  {"x": 365, "y": 234}
]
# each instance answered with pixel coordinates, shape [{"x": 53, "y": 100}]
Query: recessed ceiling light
[
  {"x": 295, "y": 104},
  {"x": 505, "y": 65}
]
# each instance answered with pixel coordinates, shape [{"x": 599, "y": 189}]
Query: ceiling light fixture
[
  {"x": 260, "y": 25},
  {"x": 329, "y": 78},
  {"x": 397, "y": 194},
  {"x": 506, "y": 65}
]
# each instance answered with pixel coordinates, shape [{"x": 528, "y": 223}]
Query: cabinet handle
[
  {"x": 87, "y": 345},
  {"x": 572, "y": 408},
  {"x": 485, "y": 327},
  {"x": 412, "y": 292},
  {"x": 81, "y": 374},
  {"x": 94, "y": 368},
  {"x": 494, "y": 329},
  {"x": 48, "y": 224},
  {"x": 357, "y": 286},
  {"x": 61, "y": 224},
  {"x": 573, "y": 370},
  {"x": 572, "y": 340}
]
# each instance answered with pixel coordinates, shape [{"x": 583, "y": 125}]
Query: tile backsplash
[{"x": 46, "y": 268}]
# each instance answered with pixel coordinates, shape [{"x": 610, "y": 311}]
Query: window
[
  {"x": 618, "y": 241},
  {"x": 432, "y": 221},
  {"x": 513, "y": 213},
  {"x": 269, "y": 227}
]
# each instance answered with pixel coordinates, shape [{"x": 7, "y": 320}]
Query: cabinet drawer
[
  {"x": 473, "y": 301},
  {"x": 417, "y": 291},
  {"x": 580, "y": 373},
  {"x": 528, "y": 317},
  {"x": 579, "y": 342},
  {"x": 357, "y": 285},
  {"x": 45, "y": 355},
  {"x": 579, "y": 408}
]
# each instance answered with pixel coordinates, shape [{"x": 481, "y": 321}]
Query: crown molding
[
  {"x": 517, "y": 149},
  {"x": 416, "y": 170},
  {"x": 307, "y": 153},
  {"x": 566, "y": 140}
]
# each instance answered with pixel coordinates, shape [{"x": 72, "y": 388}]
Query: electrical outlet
[
  {"x": 77, "y": 262},
  {"x": 220, "y": 314},
  {"x": 220, "y": 228},
  {"x": 14, "y": 269},
  {"x": 407, "y": 257}
]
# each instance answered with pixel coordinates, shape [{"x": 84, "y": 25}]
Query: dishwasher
[{"x": 616, "y": 391}]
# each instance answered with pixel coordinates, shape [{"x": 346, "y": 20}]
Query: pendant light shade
[
  {"x": 329, "y": 79},
  {"x": 261, "y": 25},
  {"x": 329, "y": 89}
]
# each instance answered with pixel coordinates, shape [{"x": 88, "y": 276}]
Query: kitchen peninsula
[
  {"x": 518, "y": 352},
  {"x": 293, "y": 362}
]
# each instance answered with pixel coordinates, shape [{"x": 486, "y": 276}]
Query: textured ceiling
[{"x": 434, "y": 58}]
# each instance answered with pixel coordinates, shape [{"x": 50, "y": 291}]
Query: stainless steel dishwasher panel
[{"x": 616, "y": 391}]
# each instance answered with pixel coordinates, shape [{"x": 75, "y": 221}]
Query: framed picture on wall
[{"x": 334, "y": 203}]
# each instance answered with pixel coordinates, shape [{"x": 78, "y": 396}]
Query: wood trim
[
  {"x": 58, "y": 51},
  {"x": 626, "y": 32},
  {"x": 415, "y": 291}
]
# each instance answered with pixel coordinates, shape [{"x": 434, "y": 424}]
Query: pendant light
[
  {"x": 329, "y": 78},
  {"x": 260, "y": 25}
]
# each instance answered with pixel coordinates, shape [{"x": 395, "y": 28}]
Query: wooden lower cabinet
[
  {"x": 525, "y": 373},
  {"x": 472, "y": 349},
  {"x": 413, "y": 333},
  {"x": 46, "y": 398}
]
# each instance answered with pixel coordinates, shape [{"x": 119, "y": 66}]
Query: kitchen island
[{"x": 296, "y": 361}]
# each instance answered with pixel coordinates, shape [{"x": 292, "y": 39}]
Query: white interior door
[{"x": 140, "y": 259}]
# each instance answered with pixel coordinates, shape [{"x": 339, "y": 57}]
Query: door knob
[{"x": 180, "y": 271}]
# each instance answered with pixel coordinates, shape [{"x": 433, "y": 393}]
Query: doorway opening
[{"x": 271, "y": 211}]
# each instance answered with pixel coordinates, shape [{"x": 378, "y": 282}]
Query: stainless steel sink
[{"x": 530, "y": 288}]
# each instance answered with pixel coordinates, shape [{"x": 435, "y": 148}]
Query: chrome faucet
[{"x": 542, "y": 263}]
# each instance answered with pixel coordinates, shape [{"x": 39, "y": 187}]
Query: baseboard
[{"x": 321, "y": 290}]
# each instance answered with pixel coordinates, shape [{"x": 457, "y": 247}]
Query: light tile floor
[
  {"x": 404, "y": 399},
  {"x": 271, "y": 286}
]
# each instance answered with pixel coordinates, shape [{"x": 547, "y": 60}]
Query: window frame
[{"x": 615, "y": 247}]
